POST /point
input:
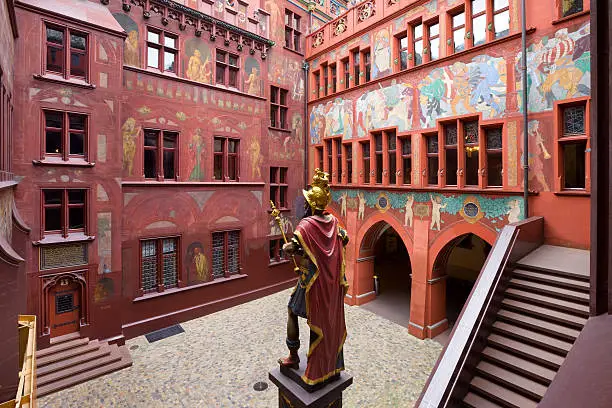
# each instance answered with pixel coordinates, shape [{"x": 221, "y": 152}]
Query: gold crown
[{"x": 318, "y": 195}]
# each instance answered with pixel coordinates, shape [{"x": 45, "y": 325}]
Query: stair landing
[{"x": 558, "y": 259}]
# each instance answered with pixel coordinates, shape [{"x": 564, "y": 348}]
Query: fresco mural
[
  {"x": 197, "y": 264},
  {"x": 256, "y": 158},
  {"x": 105, "y": 242},
  {"x": 538, "y": 157},
  {"x": 288, "y": 73},
  {"x": 335, "y": 118},
  {"x": 478, "y": 86},
  {"x": 197, "y": 156},
  {"x": 199, "y": 67},
  {"x": 382, "y": 54},
  {"x": 6, "y": 214},
  {"x": 558, "y": 68},
  {"x": 131, "y": 47},
  {"x": 105, "y": 288},
  {"x": 252, "y": 85},
  {"x": 277, "y": 20},
  {"x": 385, "y": 107},
  {"x": 130, "y": 133}
]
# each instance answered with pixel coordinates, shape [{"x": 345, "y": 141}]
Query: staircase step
[
  {"x": 473, "y": 400},
  {"x": 64, "y": 338},
  {"x": 566, "y": 306},
  {"x": 500, "y": 394},
  {"x": 540, "y": 325},
  {"x": 62, "y": 355},
  {"x": 527, "y": 368},
  {"x": 84, "y": 376},
  {"x": 560, "y": 281},
  {"x": 535, "y": 338},
  {"x": 103, "y": 351},
  {"x": 74, "y": 370},
  {"x": 527, "y": 351},
  {"x": 576, "y": 322},
  {"x": 61, "y": 347},
  {"x": 547, "y": 289},
  {"x": 511, "y": 380}
]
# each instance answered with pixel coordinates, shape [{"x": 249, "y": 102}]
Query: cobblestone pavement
[{"x": 220, "y": 356}]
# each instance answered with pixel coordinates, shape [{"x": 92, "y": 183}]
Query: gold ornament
[{"x": 319, "y": 195}]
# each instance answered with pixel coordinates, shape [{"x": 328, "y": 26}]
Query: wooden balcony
[{"x": 26, "y": 392}]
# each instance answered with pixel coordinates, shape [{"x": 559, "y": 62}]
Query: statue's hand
[{"x": 289, "y": 248}]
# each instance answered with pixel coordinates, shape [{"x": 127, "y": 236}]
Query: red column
[{"x": 418, "y": 294}]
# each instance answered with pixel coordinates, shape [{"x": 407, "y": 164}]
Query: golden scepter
[{"x": 276, "y": 214}]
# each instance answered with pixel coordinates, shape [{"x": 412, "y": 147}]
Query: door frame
[{"x": 49, "y": 281}]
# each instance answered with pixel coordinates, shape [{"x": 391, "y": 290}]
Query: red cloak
[{"x": 325, "y": 293}]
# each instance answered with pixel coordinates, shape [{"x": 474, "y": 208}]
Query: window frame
[
  {"x": 316, "y": 76},
  {"x": 466, "y": 26},
  {"x": 161, "y": 49},
  {"x": 65, "y": 130},
  {"x": 487, "y": 151},
  {"x": 280, "y": 195},
  {"x": 159, "y": 255},
  {"x": 339, "y": 159},
  {"x": 293, "y": 30},
  {"x": 276, "y": 245},
  {"x": 404, "y": 157},
  {"x": 333, "y": 78},
  {"x": 346, "y": 72},
  {"x": 379, "y": 155},
  {"x": 427, "y": 155},
  {"x": 356, "y": 66},
  {"x": 64, "y": 206},
  {"x": 366, "y": 57},
  {"x": 391, "y": 135},
  {"x": 225, "y": 158},
  {"x": 400, "y": 49},
  {"x": 585, "y": 7},
  {"x": 348, "y": 158},
  {"x": 560, "y": 140},
  {"x": 366, "y": 146},
  {"x": 276, "y": 106},
  {"x": 160, "y": 149},
  {"x": 227, "y": 68},
  {"x": 319, "y": 158},
  {"x": 67, "y": 50},
  {"x": 329, "y": 155},
  {"x": 226, "y": 272},
  {"x": 427, "y": 38}
]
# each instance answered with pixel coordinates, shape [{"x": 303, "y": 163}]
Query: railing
[
  {"x": 6, "y": 176},
  {"x": 26, "y": 391},
  {"x": 446, "y": 385}
]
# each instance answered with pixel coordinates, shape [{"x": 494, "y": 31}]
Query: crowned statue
[{"x": 319, "y": 293}]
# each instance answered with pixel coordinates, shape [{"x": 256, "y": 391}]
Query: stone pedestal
[{"x": 292, "y": 394}]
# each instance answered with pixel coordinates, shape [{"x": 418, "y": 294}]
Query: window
[
  {"x": 325, "y": 79},
  {"x": 402, "y": 47},
  {"x": 276, "y": 251},
  {"x": 479, "y": 21},
  {"x": 226, "y": 72},
  {"x": 450, "y": 150},
  {"x": 347, "y": 73},
  {"x": 348, "y": 153},
  {"x": 493, "y": 140},
  {"x": 317, "y": 84},
  {"x": 226, "y": 159},
  {"x": 433, "y": 31},
  {"x": 68, "y": 60},
  {"x": 356, "y": 69},
  {"x": 338, "y": 143},
  {"x": 292, "y": 31},
  {"x": 319, "y": 157},
  {"x": 470, "y": 130},
  {"x": 159, "y": 264},
  {"x": 160, "y": 153},
  {"x": 431, "y": 142},
  {"x": 365, "y": 154},
  {"x": 225, "y": 253},
  {"x": 569, "y": 7},
  {"x": 573, "y": 147},
  {"x": 407, "y": 160},
  {"x": 367, "y": 65},
  {"x": 392, "y": 150},
  {"x": 65, "y": 134},
  {"x": 278, "y": 108},
  {"x": 334, "y": 79},
  {"x": 64, "y": 211},
  {"x": 330, "y": 156},
  {"x": 417, "y": 41},
  {"x": 378, "y": 157},
  {"x": 162, "y": 50},
  {"x": 458, "y": 31},
  {"x": 278, "y": 186},
  {"x": 501, "y": 18}
]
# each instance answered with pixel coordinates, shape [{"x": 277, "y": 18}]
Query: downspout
[
  {"x": 525, "y": 109},
  {"x": 305, "y": 67}
]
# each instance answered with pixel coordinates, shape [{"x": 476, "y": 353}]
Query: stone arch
[
  {"x": 388, "y": 219},
  {"x": 49, "y": 282}
]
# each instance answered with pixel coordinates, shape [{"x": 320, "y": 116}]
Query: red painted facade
[{"x": 377, "y": 102}]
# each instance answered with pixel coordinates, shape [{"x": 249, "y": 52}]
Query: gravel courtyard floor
[{"x": 220, "y": 356}]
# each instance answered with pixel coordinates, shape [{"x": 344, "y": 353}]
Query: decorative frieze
[
  {"x": 339, "y": 26},
  {"x": 366, "y": 10},
  {"x": 318, "y": 39}
]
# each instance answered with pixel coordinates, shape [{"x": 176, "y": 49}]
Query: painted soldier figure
[{"x": 319, "y": 293}]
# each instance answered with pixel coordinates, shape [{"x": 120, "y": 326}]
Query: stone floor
[{"x": 220, "y": 356}]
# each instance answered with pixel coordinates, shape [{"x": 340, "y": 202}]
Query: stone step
[
  {"x": 511, "y": 380},
  {"x": 560, "y": 281},
  {"x": 472, "y": 400},
  {"x": 534, "y": 338},
  {"x": 529, "y": 369},
  {"x": 62, "y": 355},
  {"x": 547, "y": 289},
  {"x": 65, "y": 345},
  {"x": 103, "y": 351},
  {"x": 74, "y": 370},
  {"x": 518, "y": 348},
  {"x": 501, "y": 394},
  {"x": 549, "y": 301},
  {"x": 553, "y": 315},
  {"x": 537, "y": 324},
  {"x": 64, "y": 338}
]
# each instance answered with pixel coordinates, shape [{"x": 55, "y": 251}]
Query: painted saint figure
[
  {"x": 130, "y": 52},
  {"x": 436, "y": 206},
  {"x": 253, "y": 82},
  {"x": 361, "y": 209},
  {"x": 197, "y": 70},
  {"x": 343, "y": 198},
  {"x": 130, "y": 133},
  {"x": 196, "y": 148},
  {"x": 199, "y": 264},
  {"x": 320, "y": 291},
  {"x": 514, "y": 212},
  {"x": 409, "y": 213}
]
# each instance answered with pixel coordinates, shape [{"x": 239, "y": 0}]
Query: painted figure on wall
[
  {"x": 361, "y": 206},
  {"x": 385, "y": 107},
  {"x": 284, "y": 222},
  {"x": 409, "y": 215},
  {"x": 295, "y": 76},
  {"x": 382, "y": 54},
  {"x": 514, "y": 212},
  {"x": 484, "y": 77},
  {"x": 431, "y": 96},
  {"x": 6, "y": 214},
  {"x": 335, "y": 118},
  {"x": 196, "y": 150},
  {"x": 130, "y": 134},
  {"x": 277, "y": 21},
  {"x": 253, "y": 82},
  {"x": 537, "y": 154},
  {"x": 343, "y": 199},
  {"x": 436, "y": 206},
  {"x": 256, "y": 158},
  {"x": 197, "y": 262},
  {"x": 131, "y": 49},
  {"x": 317, "y": 123},
  {"x": 200, "y": 67},
  {"x": 105, "y": 288}
]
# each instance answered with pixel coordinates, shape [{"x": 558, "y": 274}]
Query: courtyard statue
[{"x": 319, "y": 293}]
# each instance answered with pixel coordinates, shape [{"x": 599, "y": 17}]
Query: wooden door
[{"x": 64, "y": 307}]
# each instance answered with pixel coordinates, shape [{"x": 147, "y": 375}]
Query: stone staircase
[
  {"x": 543, "y": 311},
  {"x": 72, "y": 360}
]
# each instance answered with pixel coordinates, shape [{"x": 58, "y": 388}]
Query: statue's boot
[{"x": 293, "y": 361}]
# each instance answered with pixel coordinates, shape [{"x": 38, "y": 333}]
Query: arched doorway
[
  {"x": 383, "y": 248},
  {"x": 64, "y": 303},
  {"x": 460, "y": 262}
]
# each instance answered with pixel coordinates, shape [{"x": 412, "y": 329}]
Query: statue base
[{"x": 294, "y": 393}]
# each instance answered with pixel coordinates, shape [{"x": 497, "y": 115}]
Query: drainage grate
[
  {"x": 163, "y": 333},
  {"x": 134, "y": 347},
  {"x": 260, "y": 386}
]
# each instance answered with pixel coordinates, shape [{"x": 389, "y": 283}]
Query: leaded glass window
[
  {"x": 569, "y": 7},
  {"x": 451, "y": 134},
  {"x": 218, "y": 255},
  {"x": 494, "y": 138},
  {"x": 169, "y": 257},
  {"x": 149, "y": 265},
  {"x": 432, "y": 144},
  {"x": 233, "y": 251},
  {"x": 470, "y": 130},
  {"x": 573, "y": 121}
]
